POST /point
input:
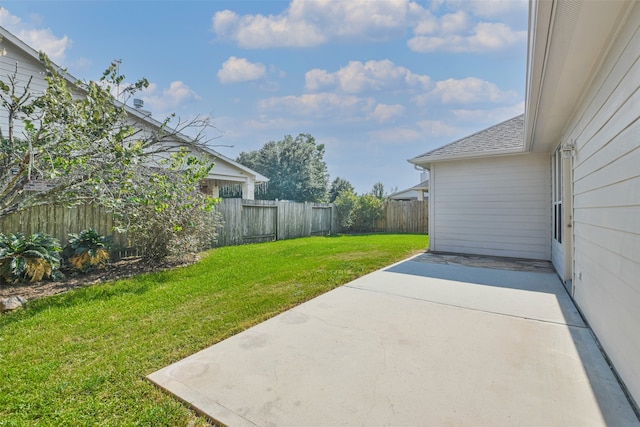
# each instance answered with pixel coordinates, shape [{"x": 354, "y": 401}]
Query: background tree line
[{"x": 297, "y": 171}]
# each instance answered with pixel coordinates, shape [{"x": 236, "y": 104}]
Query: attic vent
[{"x": 138, "y": 103}]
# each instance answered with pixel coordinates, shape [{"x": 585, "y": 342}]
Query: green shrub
[
  {"x": 169, "y": 215},
  {"x": 31, "y": 258},
  {"x": 182, "y": 226},
  {"x": 358, "y": 213},
  {"x": 368, "y": 212},
  {"x": 345, "y": 207},
  {"x": 87, "y": 250}
]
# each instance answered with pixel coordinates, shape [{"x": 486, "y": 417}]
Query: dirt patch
[{"x": 112, "y": 271}]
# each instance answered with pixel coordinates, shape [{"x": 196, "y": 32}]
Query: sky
[{"x": 376, "y": 81}]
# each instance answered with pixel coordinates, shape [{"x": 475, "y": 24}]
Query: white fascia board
[
  {"x": 422, "y": 161},
  {"x": 223, "y": 177},
  {"x": 540, "y": 23}
]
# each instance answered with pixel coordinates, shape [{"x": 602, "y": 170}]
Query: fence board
[{"x": 321, "y": 220}]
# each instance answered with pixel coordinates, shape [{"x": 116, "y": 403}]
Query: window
[{"x": 556, "y": 194}]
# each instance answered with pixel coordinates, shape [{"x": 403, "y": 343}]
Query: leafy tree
[
  {"x": 378, "y": 190},
  {"x": 338, "y": 186},
  {"x": 295, "y": 167},
  {"x": 88, "y": 149}
]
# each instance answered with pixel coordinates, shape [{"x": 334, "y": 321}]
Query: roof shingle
[{"x": 503, "y": 136}]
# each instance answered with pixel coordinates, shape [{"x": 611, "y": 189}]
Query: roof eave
[
  {"x": 568, "y": 43},
  {"x": 424, "y": 160},
  {"x": 540, "y": 19}
]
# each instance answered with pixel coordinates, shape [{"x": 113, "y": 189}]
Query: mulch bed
[{"x": 112, "y": 271}]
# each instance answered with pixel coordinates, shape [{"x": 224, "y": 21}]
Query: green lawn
[{"x": 81, "y": 358}]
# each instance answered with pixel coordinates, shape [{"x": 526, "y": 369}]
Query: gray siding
[
  {"x": 494, "y": 206},
  {"x": 606, "y": 131}
]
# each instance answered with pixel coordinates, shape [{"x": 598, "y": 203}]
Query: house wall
[
  {"x": 494, "y": 206},
  {"x": 606, "y": 188},
  {"x": 26, "y": 68}
]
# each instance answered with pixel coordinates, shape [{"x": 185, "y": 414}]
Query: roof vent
[{"x": 138, "y": 103}]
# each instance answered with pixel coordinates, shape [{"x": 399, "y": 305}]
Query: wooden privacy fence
[
  {"x": 245, "y": 221},
  {"x": 251, "y": 221},
  {"x": 59, "y": 221},
  {"x": 404, "y": 217}
]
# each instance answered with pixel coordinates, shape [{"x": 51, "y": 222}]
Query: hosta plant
[
  {"x": 29, "y": 258},
  {"x": 87, "y": 250}
]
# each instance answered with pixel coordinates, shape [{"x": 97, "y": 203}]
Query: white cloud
[
  {"x": 495, "y": 115},
  {"x": 358, "y": 77},
  {"x": 396, "y": 135},
  {"x": 225, "y": 21},
  {"x": 466, "y": 91},
  {"x": 428, "y": 25},
  {"x": 384, "y": 112},
  {"x": 495, "y": 36},
  {"x": 317, "y": 79},
  {"x": 236, "y": 70},
  {"x": 39, "y": 39},
  {"x": 176, "y": 95},
  {"x": 454, "y": 22},
  {"x": 308, "y": 23},
  {"x": 259, "y": 31},
  {"x": 436, "y": 128},
  {"x": 490, "y": 8},
  {"x": 484, "y": 37},
  {"x": 9, "y": 21},
  {"x": 320, "y": 106},
  {"x": 330, "y": 106}
]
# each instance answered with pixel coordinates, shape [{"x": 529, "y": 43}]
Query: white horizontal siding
[
  {"x": 27, "y": 67},
  {"x": 606, "y": 131},
  {"x": 495, "y": 206}
]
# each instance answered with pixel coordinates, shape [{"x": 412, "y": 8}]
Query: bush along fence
[{"x": 244, "y": 221}]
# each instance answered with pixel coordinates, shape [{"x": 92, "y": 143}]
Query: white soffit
[{"x": 578, "y": 34}]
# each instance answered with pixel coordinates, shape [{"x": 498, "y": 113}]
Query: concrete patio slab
[{"x": 415, "y": 344}]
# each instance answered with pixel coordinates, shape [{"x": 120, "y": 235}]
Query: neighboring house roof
[
  {"x": 142, "y": 115},
  {"x": 424, "y": 186},
  {"x": 410, "y": 193},
  {"x": 504, "y": 138}
]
